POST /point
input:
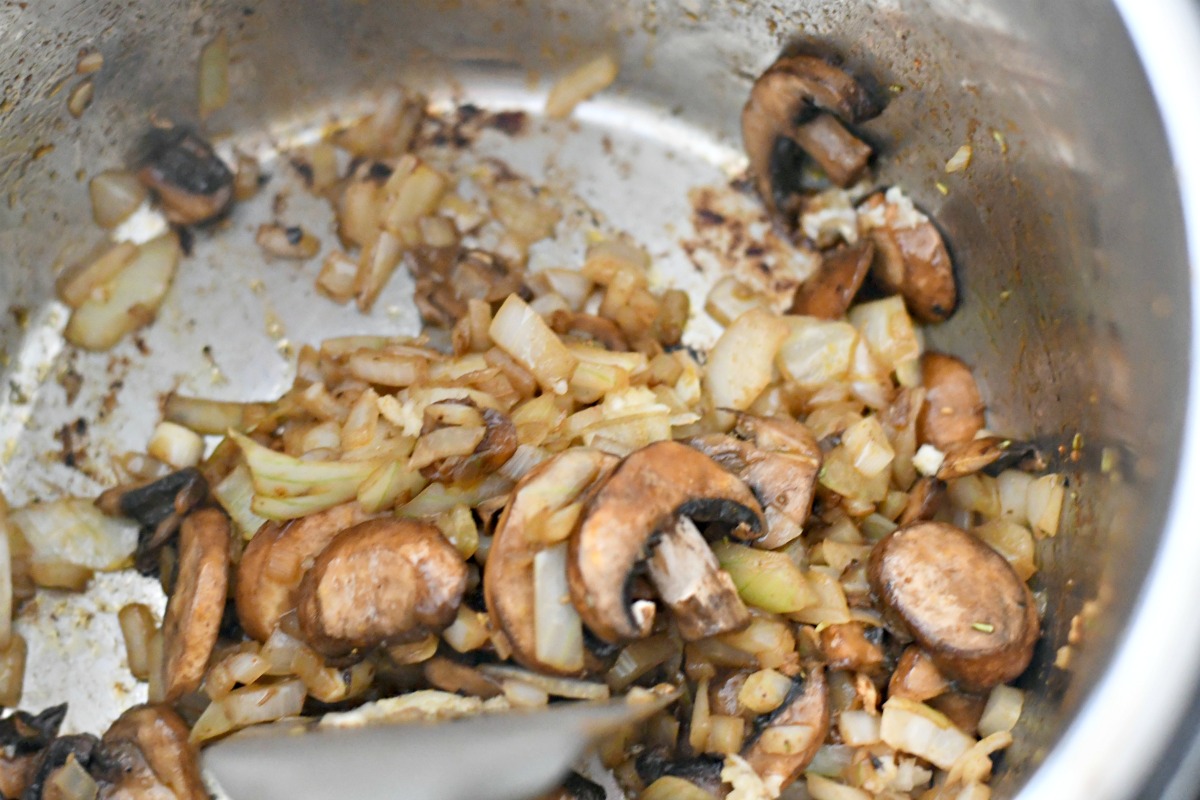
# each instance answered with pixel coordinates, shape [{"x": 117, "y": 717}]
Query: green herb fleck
[{"x": 984, "y": 627}]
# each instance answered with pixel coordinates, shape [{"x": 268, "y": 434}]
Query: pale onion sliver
[
  {"x": 519, "y": 331},
  {"x": 558, "y": 631},
  {"x": 741, "y": 363},
  {"x": 919, "y": 730},
  {"x": 1002, "y": 711},
  {"x": 74, "y": 531}
]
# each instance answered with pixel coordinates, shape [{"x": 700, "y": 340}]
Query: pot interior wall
[{"x": 1066, "y": 248}]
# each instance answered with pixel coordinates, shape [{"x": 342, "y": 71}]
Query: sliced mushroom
[
  {"x": 916, "y": 676},
  {"x": 191, "y": 182},
  {"x": 786, "y": 114},
  {"x": 953, "y": 410},
  {"x": 689, "y": 579},
  {"x": 145, "y": 754},
  {"x": 966, "y": 458},
  {"x": 158, "y": 506},
  {"x": 911, "y": 260},
  {"x": 804, "y": 719},
  {"x": 383, "y": 581},
  {"x": 197, "y": 604},
  {"x": 269, "y": 574},
  {"x": 80, "y": 747},
  {"x": 830, "y": 290},
  {"x": 846, "y": 646},
  {"x": 964, "y": 709},
  {"x": 924, "y": 500},
  {"x": 15, "y": 773},
  {"x": 508, "y": 579},
  {"x": 703, "y": 772},
  {"x": 779, "y": 459},
  {"x": 498, "y": 444},
  {"x": 576, "y": 787},
  {"x": 451, "y": 676},
  {"x": 646, "y": 494},
  {"x": 28, "y": 733},
  {"x": 599, "y": 329},
  {"x": 959, "y": 599}
]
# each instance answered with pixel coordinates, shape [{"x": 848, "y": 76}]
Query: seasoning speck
[{"x": 983, "y": 627}]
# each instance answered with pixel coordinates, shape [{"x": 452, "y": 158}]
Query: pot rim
[{"x": 1133, "y": 727}]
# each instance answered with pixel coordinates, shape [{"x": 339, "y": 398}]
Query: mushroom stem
[{"x": 690, "y": 580}]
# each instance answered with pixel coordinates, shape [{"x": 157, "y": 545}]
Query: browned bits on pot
[
  {"x": 197, "y": 604},
  {"x": 147, "y": 754},
  {"x": 268, "y": 576},
  {"x": 446, "y": 279},
  {"x": 953, "y": 410},
  {"x": 827, "y": 294},
  {"x": 287, "y": 241},
  {"x": 770, "y": 754},
  {"x": 191, "y": 182},
  {"x": 959, "y": 599},
  {"x": 645, "y": 495},
  {"x": 381, "y": 581}
]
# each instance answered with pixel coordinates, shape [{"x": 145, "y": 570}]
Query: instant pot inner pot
[{"x": 1066, "y": 247}]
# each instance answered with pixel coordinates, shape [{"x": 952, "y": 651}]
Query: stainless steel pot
[{"x": 1073, "y": 231}]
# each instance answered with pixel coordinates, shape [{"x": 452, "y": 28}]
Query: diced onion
[
  {"x": 524, "y": 695},
  {"x": 235, "y": 493},
  {"x": 78, "y": 284},
  {"x": 239, "y": 667},
  {"x": 960, "y": 160},
  {"x": 570, "y": 688},
  {"x": 130, "y": 300},
  {"x": 446, "y": 443},
  {"x": 1044, "y": 503},
  {"x": 764, "y": 691},
  {"x": 70, "y": 782},
  {"x": 670, "y": 787},
  {"x": 1002, "y": 711},
  {"x": 388, "y": 485},
  {"x": 831, "y": 760},
  {"x": 1013, "y": 488},
  {"x": 115, "y": 195},
  {"x": 73, "y": 530},
  {"x": 213, "y": 85},
  {"x": 975, "y": 765},
  {"x": 764, "y": 578},
  {"x": 175, "y": 445},
  {"x": 887, "y": 329},
  {"x": 580, "y": 84},
  {"x": 639, "y": 657},
  {"x": 817, "y": 353},
  {"x": 558, "y": 631},
  {"x": 12, "y": 671},
  {"x": 468, "y": 632},
  {"x": 1013, "y": 541},
  {"x": 701, "y": 723},
  {"x": 858, "y": 727},
  {"x": 782, "y": 740},
  {"x": 211, "y": 417},
  {"x": 725, "y": 734},
  {"x": 249, "y": 706},
  {"x": 976, "y": 493},
  {"x": 519, "y": 331},
  {"x": 915, "y": 728},
  {"x": 822, "y": 788},
  {"x": 868, "y": 447},
  {"x": 137, "y": 628},
  {"x": 458, "y": 525},
  {"x": 740, "y": 364}
]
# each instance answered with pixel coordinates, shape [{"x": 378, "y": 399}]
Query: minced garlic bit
[
  {"x": 960, "y": 160},
  {"x": 746, "y": 783},
  {"x": 928, "y": 460}
]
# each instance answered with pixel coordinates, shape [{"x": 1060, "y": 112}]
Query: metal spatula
[{"x": 509, "y": 756}]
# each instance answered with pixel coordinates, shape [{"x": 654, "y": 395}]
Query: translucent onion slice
[
  {"x": 249, "y": 706},
  {"x": 558, "y": 631},
  {"x": 73, "y": 530}
]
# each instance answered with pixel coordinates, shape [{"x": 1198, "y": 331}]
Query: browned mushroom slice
[
  {"x": 916, "y": 676},
  {"x": 550, "y": 494},
  {"x": 959, "y": 599},
  {"x": 650, "y": 489},
  {"x": 924, "y": 500},
  {"x": 383, "y": 581},
  {"x": 966, "y": 458},
  {"x": 911, "y": 260},
  {"x": 828, "y": 293},
  {"x": 794, "y": 734},
  {"x": 146, "y": 754},
  {"x": 191, "y": 182},
  {"x": 783, "y": 114},
  {"x": 779, "y": 459},
  {"x": 158, "y": 506},
  {"x": 194, "y": 612},
  {"x": 451, "y": 676},
  {"x": 953, "y": 411},
  {"x": 268, "y": 576},
  {"x": 846, "y": 646},
  {"x": 599, "y": 329}
]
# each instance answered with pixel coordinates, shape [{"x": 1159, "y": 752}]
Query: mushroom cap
[
  {"x": 643, "y": 497},
  {"x": 953, "y": 410},
  {"x": 959, "y": 599},
  {"x": 197, "y": 604},
  {"x": 383, "y": 581},
  {"x": 149, "y": 750},
  {"x": 508, "y": 577},
  {"x": 828, "y": 292},
  {"x": 792, "y": 92},
  {"x": 914, "y": 263},
  {"x": 272, "y": 565}
]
